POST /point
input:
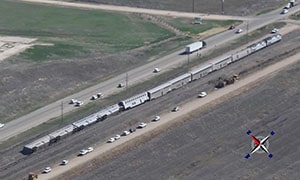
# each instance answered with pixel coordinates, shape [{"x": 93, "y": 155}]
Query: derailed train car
[
  {"x": 151, "y": 94},
  {"x": 134, "y": 101}
]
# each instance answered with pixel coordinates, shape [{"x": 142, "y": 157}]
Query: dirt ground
[
  {"x": 15, "y": 166},
  {"x": 230, "y": 7}
]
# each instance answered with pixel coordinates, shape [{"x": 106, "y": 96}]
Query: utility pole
[
  {"x": 188, "y": 61},
  {"x": 247, "y": 30},
  {"x": 62, "y": 111},
  {"x": 193, "y": 5},
  {"x": 222, "y": 6},
  {"x": 126, "y": 79}
]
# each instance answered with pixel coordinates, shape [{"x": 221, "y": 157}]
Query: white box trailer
[{"x": 195, "y": 46}]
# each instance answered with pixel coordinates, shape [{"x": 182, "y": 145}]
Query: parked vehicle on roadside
[
  {"x": 175, "y": 109},
  {"x": 142, "y": 125},
  {"x": 117, "y": 137},
  {"x": 202, "y": 94},
  {"x": 83, "y": 152},
  {"x": 47, "y": 170},
  {"x": 64, "y": 162},
  {"x": 111, "y": 140},
  {"x": 125, "y": 133},
  {"x": 90, "y": 149},
  {"x": 156, "y": 118}
]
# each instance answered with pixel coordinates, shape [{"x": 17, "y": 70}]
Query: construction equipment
[
  {"x": 32, "y": 176},
  {"x": 222, "y": 82}
]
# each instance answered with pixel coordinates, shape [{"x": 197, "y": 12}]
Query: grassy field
[
  {"x": 74, "y": 32},
  {"x": 186, "y": 25}
]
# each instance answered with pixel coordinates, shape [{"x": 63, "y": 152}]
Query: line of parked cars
[
  {"x": 65, "y": 162},
  {"x": 132, "y": 130}
]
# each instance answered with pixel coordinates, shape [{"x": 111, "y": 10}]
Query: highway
[{"x": 136, "y": 75}]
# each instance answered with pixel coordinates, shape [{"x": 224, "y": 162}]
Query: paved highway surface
[{"x": 139, "y": 74}]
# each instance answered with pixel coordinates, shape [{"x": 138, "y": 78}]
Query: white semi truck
[{"x": 195, "y": 47}]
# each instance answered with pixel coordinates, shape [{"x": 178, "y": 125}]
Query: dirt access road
[
  {"x": 173, "y": 117},
  {"x": 137, "y": 10}
]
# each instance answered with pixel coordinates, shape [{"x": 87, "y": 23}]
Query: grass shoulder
[{"x": 295, "y": 16}]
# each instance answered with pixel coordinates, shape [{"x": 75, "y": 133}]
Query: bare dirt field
[
  {"x": 15, "y": 166},
  {"x": 230, "y": 7},
  {"x": 11, "y": 45}
]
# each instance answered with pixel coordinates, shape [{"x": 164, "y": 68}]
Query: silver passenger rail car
[
  {"x": 37, "y": 144},
  {"x": 134, "y": 101},
  {"x": 202, "y": 71},
  {"x": 180, "y": 81},
  {"x": 60, "y": 133},
  {"x": 221, "y": 63},
  {"x": 273, "y": 39},
  {"x": 159, "y": 91},
  {"x": 103, "y": 114},
  {"x": 241, "y": 54},
  {"x": 82, "y": 123}
]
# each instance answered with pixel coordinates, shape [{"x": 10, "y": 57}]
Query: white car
[
  {"x": 284, "y": 11},
  {"x": 64, "y": 162},
  {"x": 239, "y": 31},
  {"x": 117, "y": 137},
  {"x": 94, "y": 97},
  {"x": 73, "y": 101},
  {"x": 47, "y": 170},
  {"x": 111, "y": 140},
  {"x": 1, "y": 125},
  {"x": 125, "y": 133},
  {"x": 274, "y": 30},
  {"x": 156, "y": 70},
  {"x": 175, "y": 109},
  {"x": 202, "y": 94},
  {"x": 121, "y": 85},
  {"x": 142, "y": 125},
  {"x": 156, "y": 118},
  {"x": 99, "y": 95},
  {"x": 83, "y": 152},
  {"x": 90, "y": 149},
  {"x": 78, "y": 103}
]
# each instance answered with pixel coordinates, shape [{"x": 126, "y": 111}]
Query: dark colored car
[{"x": 131, "y": 130}]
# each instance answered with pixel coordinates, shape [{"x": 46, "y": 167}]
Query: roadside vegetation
[
  {"x": 295, "y": 16},
  {"x": 188, "y": 25}
]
